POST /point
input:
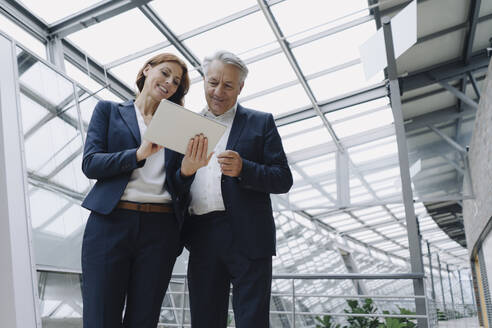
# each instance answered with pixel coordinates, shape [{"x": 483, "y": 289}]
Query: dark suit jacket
[
  {"x": 265, "y": 171},
  {"x": 110, "y": 150}
]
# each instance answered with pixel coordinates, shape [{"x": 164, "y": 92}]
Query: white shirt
[
  {"x": 146, "y": 184},
  {"x": 206, "y": 190}
]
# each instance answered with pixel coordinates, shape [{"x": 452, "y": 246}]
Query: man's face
[{"x": 222, "y": 86}]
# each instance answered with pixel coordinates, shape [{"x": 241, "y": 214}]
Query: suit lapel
[
  {"x": 237, "y": 127},
  {"x": 167, "y": 156},
  {"x": 127, "y": 112}
]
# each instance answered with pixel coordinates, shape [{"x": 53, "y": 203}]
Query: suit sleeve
[
  {"x": 273, "y": 175},
  {"x": 180, "y": 184},
  {"x": 97, "y": 162}
]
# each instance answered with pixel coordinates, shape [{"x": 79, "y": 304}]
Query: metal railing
[
  {"x": 297, "y": 299},
  {"x": 444, "y": 312},
  {"x": 294, "y": 316}
]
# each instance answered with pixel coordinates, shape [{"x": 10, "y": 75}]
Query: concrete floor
[{"x": 460, "y": 323}]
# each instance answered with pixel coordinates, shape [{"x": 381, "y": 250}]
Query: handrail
[
  {"x": 317, "y": 276},
  {"x": 342, "y": 276}
]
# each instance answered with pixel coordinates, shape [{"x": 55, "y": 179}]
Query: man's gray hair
[{"x": 227, "y": 57}]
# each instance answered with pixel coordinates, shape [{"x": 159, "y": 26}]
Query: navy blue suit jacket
[
  {"x": 110, "y": 150},
  {"x": 265, "y": 171}
]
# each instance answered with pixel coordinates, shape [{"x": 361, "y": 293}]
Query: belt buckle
[{"x": 144, "y": 207}]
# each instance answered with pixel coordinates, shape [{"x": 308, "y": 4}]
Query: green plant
[
  {"x": 409, "y": 322},
  {"x": 326, "y": 322},
  {"x": 398, "y": 322},
  {"x": 366, "y": 308},
  {"x": 392, "y": 322},
  {"x": 441, "y": 316}
]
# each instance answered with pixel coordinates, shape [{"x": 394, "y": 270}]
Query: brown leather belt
[{"x": 146, "y": 207}]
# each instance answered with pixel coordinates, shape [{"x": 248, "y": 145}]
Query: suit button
[{"x": 223, "y": 180}]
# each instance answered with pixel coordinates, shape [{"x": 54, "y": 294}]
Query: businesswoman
[{"x": 131, "y": 239}]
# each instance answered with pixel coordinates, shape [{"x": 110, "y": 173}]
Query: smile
[
  {"x": 217, "y": 99},
  {"x": 164, "y": 90}
]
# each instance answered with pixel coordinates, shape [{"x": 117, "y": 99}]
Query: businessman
[{"x": 230, "y": 232}]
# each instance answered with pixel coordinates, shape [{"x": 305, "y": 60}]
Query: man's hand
[
  {"x": 231, "y": 163},
  {"x": 196, "y": 155},
  {"x": 146, "y": 149}
]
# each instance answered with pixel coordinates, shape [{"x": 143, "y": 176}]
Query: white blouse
[{"x": 146, "y": 184}]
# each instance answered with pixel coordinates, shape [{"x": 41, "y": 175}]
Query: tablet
[{"x": 172, "y": 126}]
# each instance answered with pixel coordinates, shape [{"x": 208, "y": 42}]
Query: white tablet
[{"x": 173, "y": 126}]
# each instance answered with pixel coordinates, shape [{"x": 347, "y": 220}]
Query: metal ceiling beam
[
  {"x": 25, "y": 19},
  {"x": 65, "y": 162},
  {"x": 440, "y": 90},
  {"x": 330, "y": 105},
  {"x": 304, "y": 41},
  {"x": 437, "y": 117},
  {"x": 390, "y": 10},
  {"x": 459, "y": 94},
  {"x": 96, "y": 71},
  {"x": 448, "y": 71},
  {"x": 197, "y": 31},
  {"x": 450, "y": 29},
  {"x": 46, "y": 184},
  {"x": 295, "y": 82},
  {"x": 39, "y": 99},
  {"x": 375, "y": 226},
  {"x": 384, "y": 163},
  {"x": 45, "y": 119},
  {"x": 254, "y": 9},
  {"x": 376, "y": 13},
  {"x": 351, "y": 141},
  {"x": 453, "y": 164},
  {"x": 467, "y": 51},
  {"x": 330, "y": 229},
  {"x": 448, "y": 139},
  {"x": 414, "y": 238},
  {"x": 473, "y": 81},
  {"x": 25, "y": 61},
  {"x": 166, "y": 31},
  {"x": 472, "y": 28},
  {"x": 295, "y": 66},
  {"x": 92, "y": 15},
  {"x": 323, "y": 192}
]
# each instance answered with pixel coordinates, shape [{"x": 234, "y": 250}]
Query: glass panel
[
  {"x": 33, "y": 76},
  {"x": 127, "y": 72},
  {"x": 362, "y": 122},
  {"x": 53, "y": 147},
  {"x": 60, "y": 299},
  {"x": 267, "y": 73},
  {"x": 333, "y": 50},
  {"x": 57, "y": 9},
  {"x": 21, "y": 36},
  {"x": 341, "y": 82},
  {"x": 316, "y": 13},
  {"x": 195, "y": 99},
  {"x": 117, "y": 36},
  {"x": 307, "y": 139},
  {"x": 196, "y": 13},
  {"x": 280, "y": 101},
  {"x": 235, "y": 37},
  {"x": 375, "y": 167},
  {"x": 437, "y": 167},
  {"x": 90, "y": 85}
]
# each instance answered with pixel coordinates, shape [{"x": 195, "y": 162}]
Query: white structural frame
[{"x": 18, "y": 279}]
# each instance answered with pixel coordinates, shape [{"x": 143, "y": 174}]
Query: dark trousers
[
  {"x": 214, "y": 263},
  {"x": 127, "y": 255}
]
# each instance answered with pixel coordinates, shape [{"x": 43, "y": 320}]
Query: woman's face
[{"x": 162, "y": 80}]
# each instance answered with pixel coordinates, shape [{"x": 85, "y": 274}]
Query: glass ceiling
[{"x": 324, "y": 40}]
